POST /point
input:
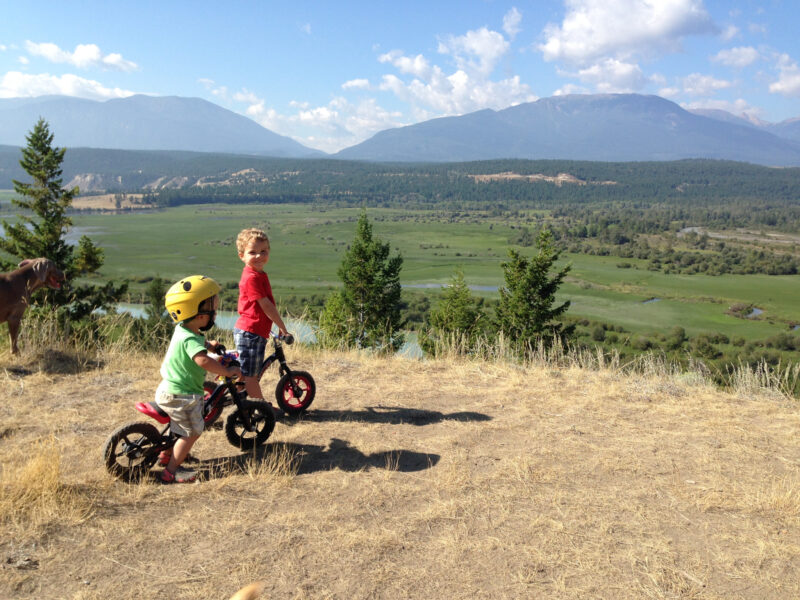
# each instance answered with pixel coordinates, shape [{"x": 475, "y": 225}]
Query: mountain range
[
  {"x": 607, "y": 127},
  {"x": 145, "y": 123}
]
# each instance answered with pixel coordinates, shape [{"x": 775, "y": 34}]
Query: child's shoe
[
  {"x": 163, "y": 458},
  {"x": 181, "y": 475}
]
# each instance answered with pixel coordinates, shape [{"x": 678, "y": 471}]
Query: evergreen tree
[
  {"x": 459, "y": 318},
  {"x": 526, "y": 313},
  {"x": 43, "y": 225},
  {"x": 365, "y": 313}
]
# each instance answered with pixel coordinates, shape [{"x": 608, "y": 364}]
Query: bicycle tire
[
  {"x": 261, "y": 417},
  {"x": 284, "y": 394},
  {"x": 132, "y": 450}
]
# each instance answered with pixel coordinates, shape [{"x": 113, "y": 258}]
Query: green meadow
[{"x": 308, "y": 244}]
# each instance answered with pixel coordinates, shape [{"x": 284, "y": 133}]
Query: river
[{"x": 301, "y": 330}]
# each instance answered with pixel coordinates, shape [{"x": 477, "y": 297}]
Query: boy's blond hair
[{"x": 248, "y": 235}]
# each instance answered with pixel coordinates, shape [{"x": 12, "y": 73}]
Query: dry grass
[{"x": 437, "y": 479}]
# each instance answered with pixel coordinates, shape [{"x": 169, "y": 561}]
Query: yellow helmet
[{"x": 183, "y": 299}]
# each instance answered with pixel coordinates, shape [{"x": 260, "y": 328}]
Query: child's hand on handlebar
[
  {"x": 234, "y": 372},
  {"x": 215, "y": 347}
]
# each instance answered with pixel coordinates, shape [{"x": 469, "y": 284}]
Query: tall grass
[
  {"x": 51, "y": 345},
  {"x": 762, "y": 379},
  {"x": 782, "y": 380}
]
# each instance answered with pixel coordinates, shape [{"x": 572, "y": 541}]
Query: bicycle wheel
[
  {"x": 263, "y": 422},
  {"x": 132, "y": 450},
  {"x": 293, "y": 404}
]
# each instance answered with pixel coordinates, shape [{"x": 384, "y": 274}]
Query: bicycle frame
[
  {"x": 224, "y": 394},
  {"x": 283, "y": 368}
]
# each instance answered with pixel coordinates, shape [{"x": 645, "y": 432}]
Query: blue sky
[{"x": 332, "y": 74}]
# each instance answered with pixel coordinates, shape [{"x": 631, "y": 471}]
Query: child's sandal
[{"x": 181, "y": 475}]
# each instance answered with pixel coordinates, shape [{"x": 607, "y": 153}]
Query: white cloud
[
  {"x": 23, "y": 60},
  {"x": 434, "y": 92},
  {"x": 218, "y": 91},
  {"x": 788, "y": 83},
  {"x": 669, "y": 92},
  {"x": 697, "y": 84},
  {"x": 622, "y": 29},
  {"x": 18, "y": 85},
  {"x": 247, "y": 97},
  {"x": 757, "y": 28},
  {"x": 742, "y": 56},
  {"x": 3, "y": 47},
  {"x": 511, "y": 21},
  {"x": 730, "y": 32},
  {"x": 115, "y": 61},
  {"x": 459, "y": 92},
  {"x": 739, "y": 107},
  {"x": 570, "y": 88},
  {"x": 476, "y": 51},
  {"x": 331, "y": 127},
  {"x": 306, "y": 28},
  {"x": 84, "y": 56},
  {"x": 356, "y": 84},
  {"x": 427, "y": 89},
  {"x": 417, "y": 66},
  {"x": 612, "y": 76}
]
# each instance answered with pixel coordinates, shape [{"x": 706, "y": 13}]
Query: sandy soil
[{"x": 108, "y": 202}]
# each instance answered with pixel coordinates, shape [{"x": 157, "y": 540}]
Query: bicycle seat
[{"x": 151, "y": 409}]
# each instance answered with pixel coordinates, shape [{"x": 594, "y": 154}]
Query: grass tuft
[{"x": 33, "y": 495}]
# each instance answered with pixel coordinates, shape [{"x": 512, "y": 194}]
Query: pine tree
[
  {"x": 365, "y": 313},
  {"x": 526, "y": 313},
  {"x": 458, "y": 317},
  {"x": 41, "y": 229}
]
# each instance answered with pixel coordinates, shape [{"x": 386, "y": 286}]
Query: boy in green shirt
[{"x": 192, "y": 303}]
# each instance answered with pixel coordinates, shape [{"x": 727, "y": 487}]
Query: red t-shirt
[{"x": 253, "y": 286}]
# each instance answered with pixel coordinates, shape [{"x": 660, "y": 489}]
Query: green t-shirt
[{"x": 182, "y": 374}]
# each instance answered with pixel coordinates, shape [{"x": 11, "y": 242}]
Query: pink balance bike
[{"x": 132, "y": 450}]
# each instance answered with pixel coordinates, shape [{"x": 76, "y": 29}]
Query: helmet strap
[{"x": 212, "y": 315}]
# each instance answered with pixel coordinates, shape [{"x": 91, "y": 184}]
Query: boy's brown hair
[{"x": 248, "y": 235}]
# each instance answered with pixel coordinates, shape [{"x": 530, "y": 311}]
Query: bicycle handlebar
[{"x": 224, "y": 355}]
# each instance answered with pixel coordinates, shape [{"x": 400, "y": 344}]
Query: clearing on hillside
[{"x": 406, "y": 479}]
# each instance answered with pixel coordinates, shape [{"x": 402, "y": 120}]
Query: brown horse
[{"x": 17, "y": 286}]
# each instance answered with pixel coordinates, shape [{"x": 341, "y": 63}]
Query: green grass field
[{"x": 308, "y": 245}]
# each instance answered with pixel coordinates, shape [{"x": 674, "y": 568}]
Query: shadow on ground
[
  {"x": 310, "y": 458},
  {"x": 52, "y": 362},
  {"x": 389, "y": 415}
]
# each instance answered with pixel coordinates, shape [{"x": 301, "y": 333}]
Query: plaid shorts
[
  {"x": 185, "y": 411},
  {"x": 250, "y": 347}
]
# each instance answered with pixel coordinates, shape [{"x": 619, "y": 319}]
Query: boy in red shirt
[{"x": 257, "y": 311}]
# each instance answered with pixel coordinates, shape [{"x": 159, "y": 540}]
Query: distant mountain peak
[
  {"x": 595, "y": 127},
  {"x": 143, "y": 122}
]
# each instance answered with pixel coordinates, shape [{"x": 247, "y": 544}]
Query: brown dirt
[
  {"x": 108, "y": 202},
  {"x": 440, "y": 479}
]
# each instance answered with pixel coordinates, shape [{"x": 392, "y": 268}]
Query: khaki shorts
[{"x": 185, "y": 411}]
